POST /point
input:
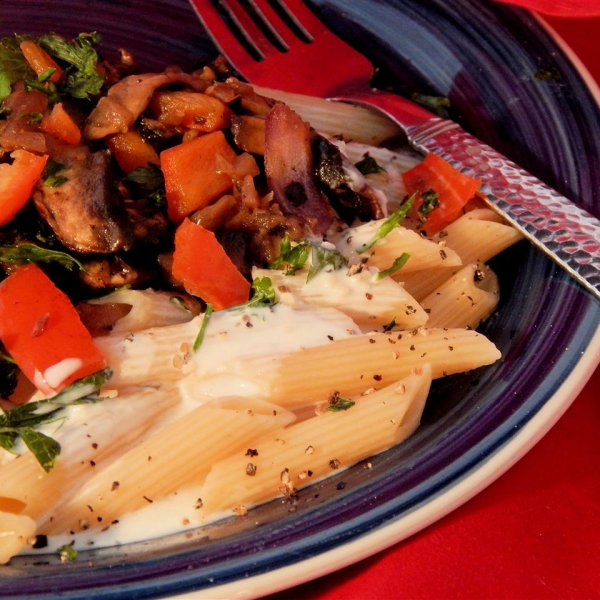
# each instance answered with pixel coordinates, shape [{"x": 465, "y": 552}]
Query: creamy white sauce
[{"x": 218, "y": 369}]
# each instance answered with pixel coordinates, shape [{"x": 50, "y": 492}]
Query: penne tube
[
  {"x": 94, "y": 435},
  {"x": 359, "y": 363},
  {"x": 16, "y": 532},
  {"x": 368, "y": 301},
  {"x": 424, "y": 253},
  {"x": 357, "y": 123},
  {"x": 180, "y": 454},
  {"x": 478, "y": 235},
  {"x": 465, "y": 300},
  {"x": 296, "y": 456},
  {"x": 148, "y": 309}
]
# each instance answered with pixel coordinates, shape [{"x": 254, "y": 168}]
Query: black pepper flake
[
  {"x": 372, "y": 341},
  {"x": 93, "y": 463},
  {"x": 41, "y": 541},
  {"x": 99, "y": 519},
  {"x": 149, "y": 500},
  {"x": 330, "y": 338},
  {"x": 369, "y": 296},
  {"x": 334, "y": 463},
  {"x": 114, "y": 486},
  {"x": 377, "y": 377},
  {"x": 412, "y": 347},
  {"x": 442, "y": 254},
  {"x": 251, "y": 469},
  {"x": 251, "y": 452},
  {"x": 90, "y": 508},
  {"x": 199, "y": 504},
  {"x": 451, "y": 348},
  {"x": 309, "y": 473},
  {"x": 341, "y": 486},
  {"x": 95, "y": 445}
]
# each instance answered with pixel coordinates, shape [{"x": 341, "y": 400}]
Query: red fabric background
[{"x": 534, "y": 534}]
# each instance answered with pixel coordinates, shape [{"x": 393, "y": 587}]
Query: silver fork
[{"x": 285, "y": 46}]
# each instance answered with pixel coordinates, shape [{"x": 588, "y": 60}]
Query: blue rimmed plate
[{"x": 511, "y": 84}]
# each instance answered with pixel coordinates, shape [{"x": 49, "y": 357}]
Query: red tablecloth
[{"x": 534, "y": 533}]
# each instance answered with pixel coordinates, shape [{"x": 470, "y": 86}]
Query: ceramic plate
[{"x": 511, "y": 84}]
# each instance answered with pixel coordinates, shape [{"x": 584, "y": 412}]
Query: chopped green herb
[
  {"x": 430, "y": 202},
  {"x": 46, "y": 74},
  {"x": 389, "y": 224},
  {"x": 291, "y": 257},
  {"x": 47, "y": 88},
  {"x": 200, "y": 337},
  {"x": 26, "y": 252},
  {"x": 33, "y": 118},
  {"x": 8, "y": 376},
  {"x": 323, "y": 257},
  {"x": 263, "y": 292},
  {"x": 438, "y": 105},
  {"x": 80, "y": 78},
  {"x": 50, "y": 175},
  {"x": 149, "y": 182},
  {"x": 13, "y": 66},
  {"x": 20, "y": 422},
  {"x": 396, "y": 266},
  {"x": 67, "y": 553},
  {"x": 368, "y": 165},
  {"x": 341, "y": 404},
  {"x": 389, "y": 326}
]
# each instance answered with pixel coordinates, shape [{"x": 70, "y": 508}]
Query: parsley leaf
[
  {"x": 438, "y": 105},
  {"x": 50, "y": 175},
  {"x": 263, "y": 292},
  {"x": 20, "y": 422},
  {"x": 430, "y": 202},
  {"x": 8, "y": 376},
  {"x": 200, "y": 337},
  {"x": 81, "y": 78},
  {"x": 389, "y": 224},
  {"x": 292, "y": 257},
  {"x": 13, "y": 66},
  {"x": 341, "y": 404},
  {"x": 150, "y": 182},
  {"x": 26, "y": 252},
  {"x": 369, "y": 165},
  {"x": 322, "y": 257},
  {"x": 396, "y": 266}
]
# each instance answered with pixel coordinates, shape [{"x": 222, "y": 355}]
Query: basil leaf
[
  {"x": 341, "y": 404},
  {"x": 263, "y": 292},
  {"x": 292, "y": 257}
]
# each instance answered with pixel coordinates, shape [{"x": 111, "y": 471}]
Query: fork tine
[
  {"x": 220, "y": 32},
  {"x": 304, "y": 17},
  {"x": 277, "y": 24},
  {"x": 251, "y": 31}
]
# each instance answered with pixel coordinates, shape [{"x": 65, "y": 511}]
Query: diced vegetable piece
[
  {"x": 131, "y": 150},
  {"x": 454, "y": 190},
  {"x": 202, "y": 265},
  {"x": 43, "y": 333},
  {"x": 60, "y": 125},
  {"x": 249, "y": 133},
  {"x": 193, "y": 110},
  {"x": 196, "y": 174},
  {"x": 17, "y": 181},
  {"x": 39, "y": 60}
]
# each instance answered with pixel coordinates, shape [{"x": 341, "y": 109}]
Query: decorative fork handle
[{"x": 562, "y": 230}]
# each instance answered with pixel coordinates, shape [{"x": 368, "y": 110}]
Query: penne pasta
[
  {"x": 118, "y": 423},
  {"x": 370, "y": 302},
  {"x": 296, "y": 456},
  {"x": 177, "y": 455},
  {"x": 16, "y": 533},
  {"x": 465, "y": 300},
  {"x": 354, "y": 365}
]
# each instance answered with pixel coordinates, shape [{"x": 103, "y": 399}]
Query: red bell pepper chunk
[
  {"x": 202, "y": 265},
  {"x": 17, "y": 181},
  {"x": 43, "y": 333},
  {"x": 454, "y": 190}
]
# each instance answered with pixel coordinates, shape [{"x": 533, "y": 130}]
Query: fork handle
[{"x": 565, "y": 232}]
